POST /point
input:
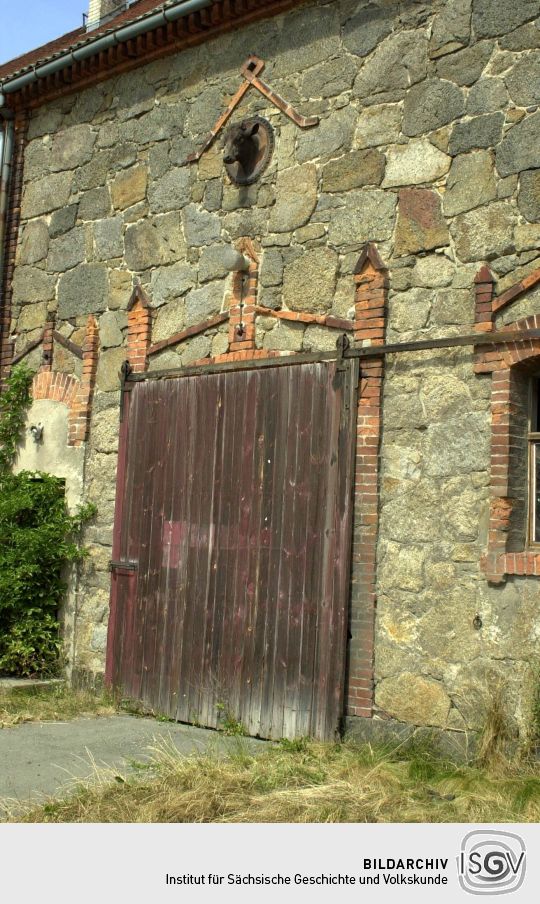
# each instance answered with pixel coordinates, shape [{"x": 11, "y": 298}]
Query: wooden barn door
[{"x": 232, "y": 563}]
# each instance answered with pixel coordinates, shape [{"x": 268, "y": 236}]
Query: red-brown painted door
[{"x": 234, "y": 519}]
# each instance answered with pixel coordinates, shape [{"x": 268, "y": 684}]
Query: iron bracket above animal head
[{"x": 251, "y": 71}]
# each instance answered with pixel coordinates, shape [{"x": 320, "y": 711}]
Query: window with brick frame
[
  {"x": 518, "y": 467},
  {"x": 524, "y": 458},
  {"x": 533, "y": 439},
  {"x": 513, "y": 545},
  {"x": 514, "y": 516}
]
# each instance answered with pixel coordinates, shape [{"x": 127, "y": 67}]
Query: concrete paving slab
[
  {"x": 42, "y": 759},
  {"x": 25, "y": 684}
]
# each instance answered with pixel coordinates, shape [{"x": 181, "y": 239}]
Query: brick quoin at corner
[{"x": 324, "y": 513}]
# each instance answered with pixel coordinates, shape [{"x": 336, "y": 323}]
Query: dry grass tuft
[
  {"x": 56, "y": 704},
  {"x": 303, "y": 782},
  {"x": 496, "y": 734}
]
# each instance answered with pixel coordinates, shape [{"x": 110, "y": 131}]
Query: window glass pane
[{"x": 536, "y": 491}]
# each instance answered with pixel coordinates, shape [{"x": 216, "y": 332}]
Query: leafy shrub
[
  {"x": 15, "y": 399},
  {"x": 37, "y": 541}
]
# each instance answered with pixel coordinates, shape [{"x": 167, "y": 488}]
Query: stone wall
[{"x": 428, "y": 145}]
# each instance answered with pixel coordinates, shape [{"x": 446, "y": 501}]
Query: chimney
[{"x": 101, "y": 10}]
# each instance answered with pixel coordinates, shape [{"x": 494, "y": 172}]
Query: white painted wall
[{"x": 52, "y": 454}]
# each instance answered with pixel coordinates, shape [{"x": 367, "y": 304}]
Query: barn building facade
[{"x": 275, "y": 266}]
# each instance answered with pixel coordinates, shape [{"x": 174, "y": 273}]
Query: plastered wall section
[
  {"x": 428, "y": 145},
  {"x": 53, "y": 455}
]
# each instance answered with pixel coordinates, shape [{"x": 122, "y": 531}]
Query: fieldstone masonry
[{"x": 429, "y": 146}]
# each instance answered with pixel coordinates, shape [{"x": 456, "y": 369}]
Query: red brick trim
[
  {"x": 333, "y": 323},
  {"x": 79, "y": 427},
  {"x": 138, "y": 294},
  {"x": 499, "y": 361},
  {"x": 369, "y": 329},
  {"x": 48, "y": 345},
  {"x": 483, "y": 301},
  {"x": 188, "y": 333},
  {"x": 65, "y": 388},
  {"x": 243, "y": 300},
  {"x": 139, "y": 330},
  {"x": 248, "y": 355},
  {"x": 516, "y": 291},
  {"x": 371, "y": 278},
  {"x": 370, "y": 254},
  {"x": 56, "y": 387}
]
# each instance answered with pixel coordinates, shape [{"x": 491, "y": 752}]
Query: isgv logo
[{"x": 491, "y": 862}]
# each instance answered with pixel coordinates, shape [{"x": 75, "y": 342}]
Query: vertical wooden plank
[
  {"x": 163, "y": 551},
  {"x": 207, "y": 711},
  {"x": 140, "y": 452},
  {"x": 256, "y": 561},
  {"x": 294, "y": 542},
  {"x": 281, "y": 552},
  {"x": 230, "y": 603},
  {"x": 180, "y": 501},
  {"x": 300, "y": 679},
  {"x": 194, "y": 489},
  {"x": 221, "y": 601},
  {"x": 276, "y": 432},
  {"x": 117, "y": 602},
  {"x": 202, "y": 552},
  {"x": 150, "y": 490},
  {"x": 325, "y": 406},
  {"x": 331, "y": 640},
  {"x": 261, "y": 541},
  {"x": 325, "y": 634},
  {"x": 245, "y": 483},
  {"x": 153, "y": 599},
  {"x": 342, "y": 564}
]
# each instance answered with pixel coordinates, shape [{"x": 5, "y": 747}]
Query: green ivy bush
[{"x": 38, "y": 538}]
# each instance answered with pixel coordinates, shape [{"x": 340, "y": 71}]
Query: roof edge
[{"x": 168, "y": 12}]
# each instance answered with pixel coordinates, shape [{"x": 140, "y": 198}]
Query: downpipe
[{"x": 6, "y": 166}]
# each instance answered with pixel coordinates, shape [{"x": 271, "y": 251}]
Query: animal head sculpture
[
  {"x": 248, "y": 148},
  {"x": 241, "y": 146}
]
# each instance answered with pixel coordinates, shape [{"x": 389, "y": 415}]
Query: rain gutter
[{"x": 167, "y": 13}]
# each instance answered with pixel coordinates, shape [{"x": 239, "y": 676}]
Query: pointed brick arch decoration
[
  {"x": 487, "y": 305},
  {"x": 76, "y": 394},
  {"x": 139, "y": 329},
  {"x": 371, "y": 279},
  {"x": 243, "y": 299}
]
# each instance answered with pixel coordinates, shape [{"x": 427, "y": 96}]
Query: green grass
[
  {"x": 58, "y": 703},
  {"x": 303, "y": 781}
]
